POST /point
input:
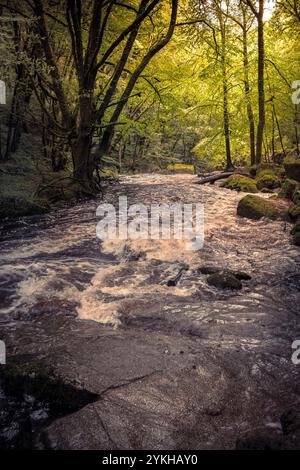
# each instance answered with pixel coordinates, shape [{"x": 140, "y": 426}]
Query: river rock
[
  {"x": 241, "y": 275},
  {"x": 256, "y": 207},
  {"x": 208, "y": 270},
  {"x": 224, "y": 280}
]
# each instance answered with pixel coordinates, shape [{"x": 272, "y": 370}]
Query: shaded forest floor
[
  {"x": 24, "y": 179},
  {"x": 149, "y": 366}
]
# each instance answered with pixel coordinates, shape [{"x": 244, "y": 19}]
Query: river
[{"x": 183, "y": 367}]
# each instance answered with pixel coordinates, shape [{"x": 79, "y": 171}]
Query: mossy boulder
[
  {"x": 288, "y": 188},
  {"x": 294, "y": 212},
  {"x": 269, "y": 169},
  {"x": 267, "y": 181},
  {"x": 240, "y": 183},
  {"x": 292, "y": 168},
  {"x": 256, "y": 207}
]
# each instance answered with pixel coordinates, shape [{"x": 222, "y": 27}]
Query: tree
[
  {"x": 259, "y": 14},
  {"x": 91, "y": 49}
]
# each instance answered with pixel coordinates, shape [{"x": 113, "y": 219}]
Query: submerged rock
[
  {"x": 208, "y": 270},
  {"x": 224, "y": 280},
  {"x": 240, "y": 183},
  {"x": 242, "y": 276},
  {"x": 256, "y": 207}
]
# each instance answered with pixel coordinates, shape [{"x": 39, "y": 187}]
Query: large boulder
[
  {"x": 240, "y": 183},
  {"x": 288, "y": 188},
  {"x": 256, "y": 207},
  {"x": 268, "y": 181},
  {"x": 269, "y": 169},
  {"x": 292, "y": 168}
]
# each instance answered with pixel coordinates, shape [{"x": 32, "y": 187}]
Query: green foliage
[
  {"x": 109, "y": 173},
  {"x": 179, "y": 167}
]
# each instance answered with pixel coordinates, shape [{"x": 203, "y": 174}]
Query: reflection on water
[{"x": 55, "y": 262}]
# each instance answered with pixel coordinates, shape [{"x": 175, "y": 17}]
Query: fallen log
[{"x": 212, "y": 179}]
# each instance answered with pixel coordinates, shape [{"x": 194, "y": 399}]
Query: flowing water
[
  {"x": 57, "y": 259},
  {"x": 55, "y": 265}
]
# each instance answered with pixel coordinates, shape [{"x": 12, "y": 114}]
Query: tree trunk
[
  {"x": 226, "y": 118},
  {"x": 261, "y": 83},
  {"x": 81, "y": 143},
  {"x": 247, "y": 92}
]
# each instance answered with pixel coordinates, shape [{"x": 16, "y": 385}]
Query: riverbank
[{"x": 150, "y": 366}]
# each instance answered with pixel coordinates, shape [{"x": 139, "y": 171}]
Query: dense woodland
[{"x": 129, "y": 86}]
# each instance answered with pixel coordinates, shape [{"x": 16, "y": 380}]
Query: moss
[
  {"x": 240, "y": 183},
  {"x": 267, "y": 181},
  {"x": 294, "y": 212},
  {"x": 256, "y": 207},
  {"x": 287, "y": 189},
  {"x": 269, "y": 169},
  {"x": 181, "y": 168},
  {"x": 109, "y": 173},
  {"x": 292, "y": 168}
]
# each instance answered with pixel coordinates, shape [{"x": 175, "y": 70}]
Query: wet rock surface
[{"x": 187, "y": 367}]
